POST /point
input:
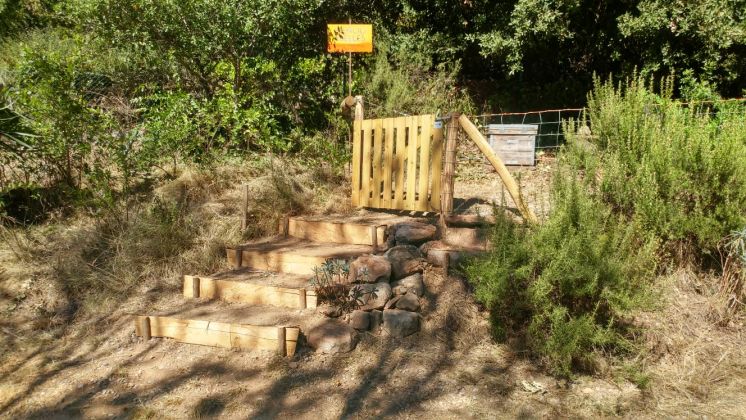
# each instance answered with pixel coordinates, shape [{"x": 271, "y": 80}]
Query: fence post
[{"x": 449, "y": 168}]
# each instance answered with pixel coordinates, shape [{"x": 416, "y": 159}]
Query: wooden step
[
  {"x": 282, "y": 339},
  {"x": 367, "y": 229},
  {"x": 256, "y": 288},
  {"x": 291, "y": 255}
]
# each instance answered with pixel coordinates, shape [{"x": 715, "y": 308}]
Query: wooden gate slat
[
  {"x": 413, "y": 139},
  {"x": 357, "y": 158},
  {"x": 377, "y": 170},
  {"x": 367, "y": 163},
  {"x": 436, "y": 167},
  {"x": 426, "y": 122},
  {"x": 401, "y": 150},
  {"x": 388, "y": 151}
]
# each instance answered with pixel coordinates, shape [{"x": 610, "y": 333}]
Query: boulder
[
  {"x": 405, "y": 260},
  {"x": 408, "y": 302},
  {"x": 399, "y": 323},
  {"x": 390, "y": 304},
  {"x": 414, "y": 233},
  {"x": 332, "y": 337},
  {"x": 411, "y": 283},
  {"x": 369, "y": 269},
  {"x": 329, "y": 310},
  {"x": 372, "y": 296},
  {"x": 360, "y": 320},
  {"x": 376, "y": 321}
]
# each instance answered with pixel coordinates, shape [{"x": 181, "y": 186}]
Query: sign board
[{"x": 346, "y": 38}]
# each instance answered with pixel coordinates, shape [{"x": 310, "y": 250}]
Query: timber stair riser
[
  {"x": 249, "y": 293},
  {"x": 291, "y": 255},
  {"x": 336, "y": 232},
  {"x": 283, "y": 340}
]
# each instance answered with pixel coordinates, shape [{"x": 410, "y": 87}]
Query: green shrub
[
  {"x": 680, "y": 172},
  {"x": 566, "y": 285}
]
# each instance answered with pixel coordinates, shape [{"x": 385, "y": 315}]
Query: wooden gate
[{"x": 397, "y": 163}]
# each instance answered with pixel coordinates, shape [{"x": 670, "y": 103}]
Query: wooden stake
[
  {"x": 145, "y": 327},
  {"x": 285, "y": 226},
  {"x": 281, "y": 349},
  {"x": 374, "y": 238},
  {"x": 239, "y": 254},
  {"x": 359, "y": 108},
  {"x": 245, "y": 219},
  {"x": 449, "y": 169},
  {"x": 302, "y": 298},
  {"x": 513, "y": 189},
  {"x": 195, "y": 287}
]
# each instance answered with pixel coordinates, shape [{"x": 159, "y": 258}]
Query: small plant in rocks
[{"x": 330, "y": 283}]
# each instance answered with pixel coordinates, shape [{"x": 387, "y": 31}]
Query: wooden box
[{"x": 515, "y": 144}]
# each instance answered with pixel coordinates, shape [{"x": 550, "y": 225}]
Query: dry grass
[{"x": 697, "y": 365}]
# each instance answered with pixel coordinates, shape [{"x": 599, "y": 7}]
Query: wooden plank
[
  {"x": 401, "y": 154},
  {"x": 436, "y": 167},
  {"x": 413, "y": 139},
  {"x": 245, "y": 292},
  {"x": 377, "y": 170},
  {"x": 473, "y": 132},
  {"x": 220, "y": 334},
  {"x": 341, "y": 233},
  {"x": 367, "y": 163},
  {"x": 388, "y": 160},
  {"x": 426, "y": 122},
  {"x": 356, "y": 159}
]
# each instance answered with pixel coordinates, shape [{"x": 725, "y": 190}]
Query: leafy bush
[
  {"x": 567, "y": 284},
  {"x": 679, "y": 172}
]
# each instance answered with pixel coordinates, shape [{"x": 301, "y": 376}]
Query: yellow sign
[{"x": 349, "y": 38}]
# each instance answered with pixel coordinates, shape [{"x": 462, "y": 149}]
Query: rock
[
  {"x": 329, "y": 310},
  {"x": 376, "y": 320},
  {"x": 405, "y": 260},
  {"x": 411, "y": 283},
  {"x": 365, "y": 294},
  {"x": 414, "y": 233},
  {"x": 398, "y": 323},
  {"x": 408, "y": 302},
  {"x": 360, "y": 320},
  {"x": 390, "y": 304},
  {"x": 332, "y": 337},
  {"x": 369, "y": 269}
]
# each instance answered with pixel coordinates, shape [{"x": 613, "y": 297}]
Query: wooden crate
[
  {"x": 515, "y": 144},
  {"x": 397, "y": 163}
]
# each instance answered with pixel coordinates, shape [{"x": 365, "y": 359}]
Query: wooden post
[
  {"x": 195, "y": 287},
  {"x": 513, "y": 189},
  {"x": 239, "y": 254},
  {"x": 281, "y": 349},
  {"x": 285, "y": 226},
  {"x": 145, "y": 327},
  {"x": 374, "y": 237},
  {"x": 302, "y": 298},
  {"x": 245, "y": 219},
  {"x": 359, "y": 108},
  {"x": 449, "y": 169}
]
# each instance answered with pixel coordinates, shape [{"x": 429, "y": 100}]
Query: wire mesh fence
[{"x": 550, "y": 134}]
